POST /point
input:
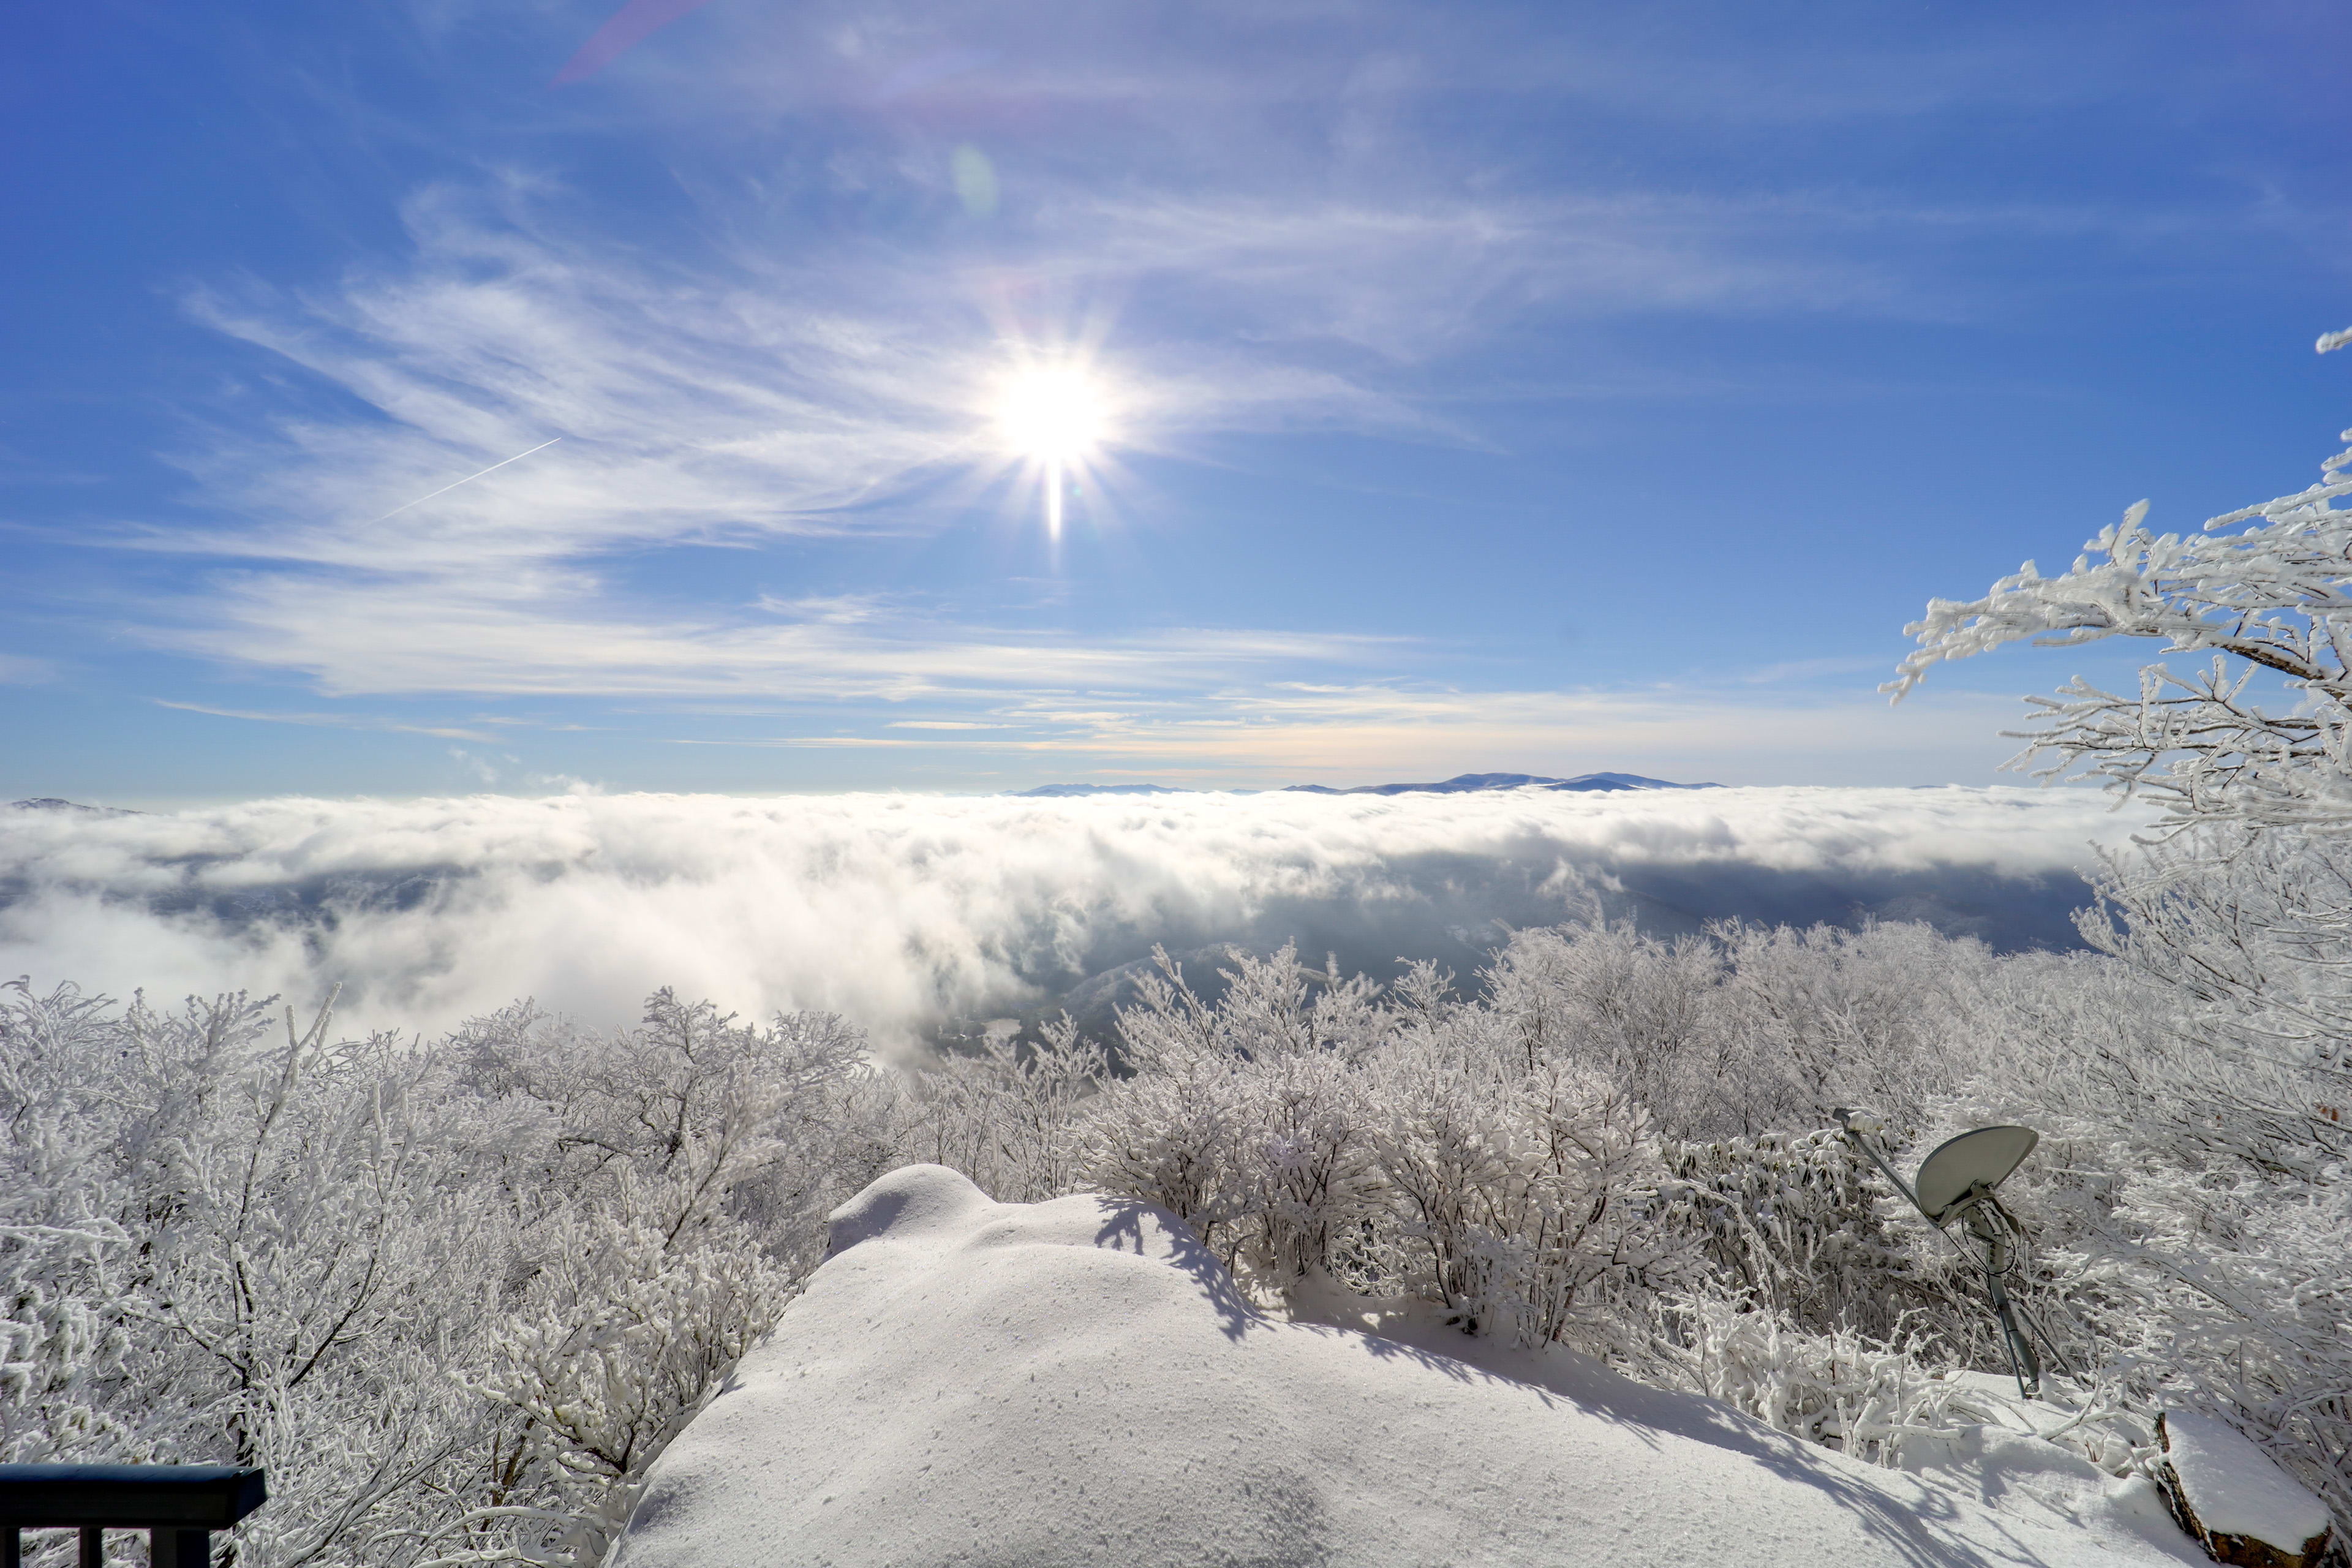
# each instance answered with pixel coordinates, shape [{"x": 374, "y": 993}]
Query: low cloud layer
[{"x": 908, "y": 913}]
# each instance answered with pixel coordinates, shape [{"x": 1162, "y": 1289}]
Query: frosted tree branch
[{"x": 2263, "y": 732}]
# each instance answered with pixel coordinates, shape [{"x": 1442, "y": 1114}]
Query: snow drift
[{"x": 1079, "y": 1381}]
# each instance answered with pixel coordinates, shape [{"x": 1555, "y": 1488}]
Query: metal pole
[
  {"x": 2023, "y": 1363},
  {"x": 12, "y": 1548},
  {"x": 1984, "y": 1224},
  {"x": 2043, "y": 1335},
  {"x": 93, "y": 1546}
]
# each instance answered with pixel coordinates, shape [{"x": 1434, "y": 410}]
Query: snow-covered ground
[{"x": 1079, "y": 1381}]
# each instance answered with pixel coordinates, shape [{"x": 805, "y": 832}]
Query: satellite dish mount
[{"x": 1956, "y": 1186}]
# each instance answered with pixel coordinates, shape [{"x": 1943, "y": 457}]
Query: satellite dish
[
  {"x": 1957, "y": 1180},
  {"x": 1960, "y": 1166}
]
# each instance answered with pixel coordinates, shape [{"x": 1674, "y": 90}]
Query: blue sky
[{"x": 1542, "y": 387}]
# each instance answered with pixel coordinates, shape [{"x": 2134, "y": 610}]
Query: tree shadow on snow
[
  {"x": 1123, "y": 1230},
  {"x": 1919, "y": 1520}
]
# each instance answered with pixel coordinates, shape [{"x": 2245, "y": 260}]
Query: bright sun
[
  {"x": 1052, "y": 414},
  {"x": 1054, "y": 417}
]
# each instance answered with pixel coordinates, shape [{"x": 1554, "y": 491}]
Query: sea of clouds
[{"x": 911, "y": 914}]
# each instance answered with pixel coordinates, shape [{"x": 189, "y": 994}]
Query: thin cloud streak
[
  {"x": 325, "y": 720},
  {"x": 469, "y": 479},
  {"x": 552, "y": 637},
  {"x": 1195, "y": 698}
]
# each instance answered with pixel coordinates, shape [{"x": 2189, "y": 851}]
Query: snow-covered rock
[
  {"x": 1079, "y": 1381},
  {"x": 2228, "y": 1494}
]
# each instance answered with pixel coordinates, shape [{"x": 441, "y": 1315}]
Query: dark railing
[{"x": 178, "y": 1505}]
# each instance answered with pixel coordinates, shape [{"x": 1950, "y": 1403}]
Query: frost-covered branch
[{"x": 2263, "y": 734}]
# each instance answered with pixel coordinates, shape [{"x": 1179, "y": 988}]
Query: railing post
[
  {"x": 93, "y": 1547},
  {"x": 179, "y": 1549}
]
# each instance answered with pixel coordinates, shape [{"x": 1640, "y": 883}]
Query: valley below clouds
[{"x": 918, "y": 915}]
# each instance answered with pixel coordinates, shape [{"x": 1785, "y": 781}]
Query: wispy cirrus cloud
[
  {"x": 550, "y": 635},
  {"x": 328, "y": 720},
  {"x": 1407, "y": 275},
  {"x": 653, "y": 409},
  {"x": 17, "y": 670},
  {"x": 688, "y": 409},
  {"x": 464, "y": 469},
  {"x": 727, "y": 390}
]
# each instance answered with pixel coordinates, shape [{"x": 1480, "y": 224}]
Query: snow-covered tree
[
  {"x": 2261, "y": 733},
  {"x": 1008, "y": 1116},
  {"x": 454, "y": 1296},
  {"x": 2208, "y": 1257}
]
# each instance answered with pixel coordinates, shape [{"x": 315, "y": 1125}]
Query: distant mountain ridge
[
  {"x": 51, "y": 803},
  {"x": 1472, "y": 783},
  {"x": 1461, "y": 783}
]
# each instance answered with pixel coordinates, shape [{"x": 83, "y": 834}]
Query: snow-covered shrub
[
  {"x": 1792, "y": 1225},
  {"x": 1244, "y": 1116},
  {"x": 2248, "y": 934},
  {"x": 1526, "y": 1203},
  {"x": 1746, "y": 1029},
  {"x": 1877, "y": 1016},
  {"x": 1648, "y": 1012},
  {"x": 1009, "y": 1116},
  {"x": 66, "y": 1262},
  {"x": 1447, "y": 1152},
  {"x": 1271, "y": 1007},
  {"x": 1182, "y": 1142},
  {"x": 1307, "y": 1150},
  {"x": 298, "y": 1264},
  {"x": 673, "y": 1197},
  {"x": 1876, "y": 1397},
  {"x": 1843, "y": 1388},
  {"x": 452, "y": 1295},
  {"x": 622, "y": 1336}
]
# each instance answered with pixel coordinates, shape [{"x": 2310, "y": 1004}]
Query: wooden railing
[{"x": 178, "y": 1505}]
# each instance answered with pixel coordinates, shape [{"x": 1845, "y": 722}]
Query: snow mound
[{"x": 1079, "y": 1381}]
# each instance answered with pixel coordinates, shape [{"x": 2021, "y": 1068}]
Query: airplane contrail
[{"x": 469, "y": 479}]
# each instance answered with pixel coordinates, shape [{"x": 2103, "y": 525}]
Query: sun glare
[
  {"x": 1056, "y": 417},
  {"x": 1052, "y": 414}
]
